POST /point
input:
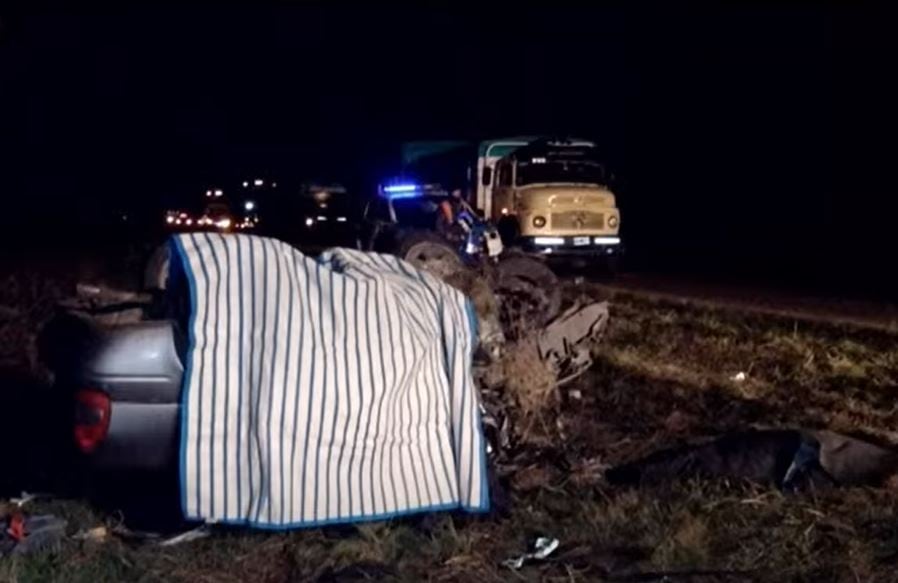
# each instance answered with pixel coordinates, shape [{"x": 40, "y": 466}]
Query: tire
[
  {"x": 430, "y": 252},
  {"x": 529, "y": 291}
]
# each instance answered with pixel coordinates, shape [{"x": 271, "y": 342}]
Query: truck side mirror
[{"x": 487, "y": 176}]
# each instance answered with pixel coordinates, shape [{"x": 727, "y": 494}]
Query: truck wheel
[
  {"x": 430, "y": 252},
  {"x": 529, "y": 292}
]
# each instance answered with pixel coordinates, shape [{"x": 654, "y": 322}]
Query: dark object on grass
[
  {"x": 854, "y": 461},
  {"x": 786, "y": 458},
  {"x": 790, "y": 459}
]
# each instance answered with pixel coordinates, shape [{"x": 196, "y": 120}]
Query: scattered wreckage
[
  {"x": 789, "y": 459},
  {"x": 128, "y": 360},
  {"x": 121, "y": 333},
  {"x": 122, "y": 355},
  {"x": 516, "y": 295}
]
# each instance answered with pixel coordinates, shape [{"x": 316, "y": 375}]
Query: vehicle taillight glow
[{"x": 91, "y": 419}]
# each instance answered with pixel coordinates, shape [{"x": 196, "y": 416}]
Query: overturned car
[{"x": 288, "y": 391}]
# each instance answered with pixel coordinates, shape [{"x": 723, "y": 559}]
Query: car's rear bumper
[
  {"x": 141, "y": 436},
  {"x": 132, "y": 374},
  {"x": 595, "y": 246}
]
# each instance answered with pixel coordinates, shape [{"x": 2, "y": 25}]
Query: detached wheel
[
  {"x": 530, "y": 295},
  {"x": 432, "y": 253}
]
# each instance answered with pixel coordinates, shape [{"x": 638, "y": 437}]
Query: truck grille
[{"x": 578, "y": 220}]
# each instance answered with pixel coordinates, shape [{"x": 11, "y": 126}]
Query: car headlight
[
  {"x": 613, "y": 221},
  {"x": 539, "y": 222}
]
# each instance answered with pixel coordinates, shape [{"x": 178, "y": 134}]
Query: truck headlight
[
  {"x": 539, "y": 222},
  {"x": 613, "y": 221}
]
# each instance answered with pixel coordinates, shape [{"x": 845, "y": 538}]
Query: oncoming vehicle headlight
[
  {"x": 539, "y": 222},
  {"x": 613, "y": 221}
]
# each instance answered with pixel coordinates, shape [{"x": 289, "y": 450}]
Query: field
[{"x": 664, "y": 374}]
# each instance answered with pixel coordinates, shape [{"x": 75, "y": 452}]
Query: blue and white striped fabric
[{"x": 324, "y": 391}]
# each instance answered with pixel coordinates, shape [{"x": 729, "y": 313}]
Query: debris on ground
[
  {"x": 789, "y": 459},
  {"x": 739, "y": 377},
  {"x": 97, "y": 534},
  {"x": 529, "y": 380},
  {"x": 23, "y": 535},
  {"x": 854, "y": 461},
  {"x": 542, "y": 548},
  {"x": 524, "y": 382},
  {"x": 186, "y": 537},
  {"x": 490, "y": 334},
  {"x": 661, "y": 378},
  {"x": 25, "y": 498},
  {"x": 565, "y": 344},
  {"x": 525, "y": 359}
]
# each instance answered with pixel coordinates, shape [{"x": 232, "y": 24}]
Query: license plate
[{"x": 581, "y": 241}]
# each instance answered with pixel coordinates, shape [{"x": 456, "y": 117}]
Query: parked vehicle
[
  {"x": 441, "y": 233},
  {"x": 547, "y": 197},
  {"x": 313, "y": 217}
]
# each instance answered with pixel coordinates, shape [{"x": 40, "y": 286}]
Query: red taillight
[{"x": 91, "y": 418}]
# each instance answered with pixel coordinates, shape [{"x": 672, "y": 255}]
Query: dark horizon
[{"x": 745, "y": 137}]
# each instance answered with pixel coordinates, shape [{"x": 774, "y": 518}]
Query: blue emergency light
[
  {"x": 397, "y": 188},
  {"x": 402, "y": 190}
]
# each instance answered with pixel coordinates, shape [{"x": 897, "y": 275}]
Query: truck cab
[{"x": 549, "y": 197}]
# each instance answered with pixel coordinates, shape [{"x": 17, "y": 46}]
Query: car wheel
[
  {"x": 431, "y": 253},
  {"x": 529, "y": 292}
]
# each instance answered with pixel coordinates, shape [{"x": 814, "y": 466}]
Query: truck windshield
[{"x": 552, "y": 171}]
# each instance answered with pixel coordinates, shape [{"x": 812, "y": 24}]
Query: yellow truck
[{"x": 549, "y": 197}]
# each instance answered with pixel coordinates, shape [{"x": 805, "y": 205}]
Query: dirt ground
[
  {"x": 664, "y": 374},
  {"x": 770, "y": 300}
]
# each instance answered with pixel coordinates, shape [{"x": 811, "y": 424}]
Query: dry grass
[
  {"x": 473, "y": 285},
  {"x": 528, "y": 380},
  {"x": 663, "y": 375}
]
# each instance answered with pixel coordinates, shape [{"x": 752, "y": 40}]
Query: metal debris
[
  {"x": 542, "y": 548},
  {"x": 25, "y": 498},
  {"x": 565, "y": 343},
  {"x": 186, "y": 537},
  {"x": 22, "y": 535}
]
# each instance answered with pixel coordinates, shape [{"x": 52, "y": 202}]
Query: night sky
[{"x": 748, "y": 136}]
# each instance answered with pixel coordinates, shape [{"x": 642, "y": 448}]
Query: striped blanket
[{"x": 323, "y": 391}]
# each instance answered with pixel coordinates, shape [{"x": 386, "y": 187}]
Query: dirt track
[{"x": 758, "y": 299}]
